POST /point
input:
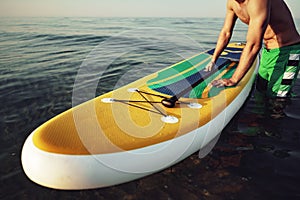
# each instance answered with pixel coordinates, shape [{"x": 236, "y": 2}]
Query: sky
[{"x": 121, "y": 8}]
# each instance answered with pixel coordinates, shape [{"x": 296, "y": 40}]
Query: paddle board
[{"x": 129, "y": 133}]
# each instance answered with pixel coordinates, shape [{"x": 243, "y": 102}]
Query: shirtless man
[{"x": 269, "y": 21}]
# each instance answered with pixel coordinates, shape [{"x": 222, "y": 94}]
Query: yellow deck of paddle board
[{"x": 96, "y": 127}]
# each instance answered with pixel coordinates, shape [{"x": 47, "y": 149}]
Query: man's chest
[{"x": 242, "y": 13}]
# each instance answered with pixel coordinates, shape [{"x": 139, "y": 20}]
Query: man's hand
[
  {"x": 223, "y": 82},
  {"x": 209, "y": 66}
]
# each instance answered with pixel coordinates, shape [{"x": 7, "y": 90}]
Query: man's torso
[{"x": 280, "y": 31}]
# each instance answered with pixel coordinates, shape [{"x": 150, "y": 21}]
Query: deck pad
[{"x": 179, "y": 77}]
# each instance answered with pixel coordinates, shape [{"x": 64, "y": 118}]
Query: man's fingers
[
  {"x": 218, "y": 83},
  {"x": 222, "y": 82},
  {"x": 209, "y": 67}
]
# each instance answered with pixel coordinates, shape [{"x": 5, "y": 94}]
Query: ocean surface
[{"x": 42, "y": 60}]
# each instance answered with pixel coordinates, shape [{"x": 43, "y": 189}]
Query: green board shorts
[{"x": 278, "y": 70}]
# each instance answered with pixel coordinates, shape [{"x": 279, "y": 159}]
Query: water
[{"x": 257, "y": 157}]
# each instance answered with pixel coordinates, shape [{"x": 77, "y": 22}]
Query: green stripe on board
[
  {"x": 179, "y": 68},
  {"x": 179, "y": 77},
  {"x": 230, "y": 72}
]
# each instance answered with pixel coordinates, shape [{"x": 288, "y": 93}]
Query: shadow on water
[{"x": 263, "y": 148}]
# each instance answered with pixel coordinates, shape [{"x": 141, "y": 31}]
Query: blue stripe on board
[{"x": 233, "y": 53}]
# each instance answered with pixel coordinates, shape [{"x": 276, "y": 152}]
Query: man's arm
[
  {"x": 225, "y": 35},
  {"x": 259, "y": 12}
]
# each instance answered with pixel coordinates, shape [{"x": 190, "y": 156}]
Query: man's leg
[{"x": 282, "y": 80}]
